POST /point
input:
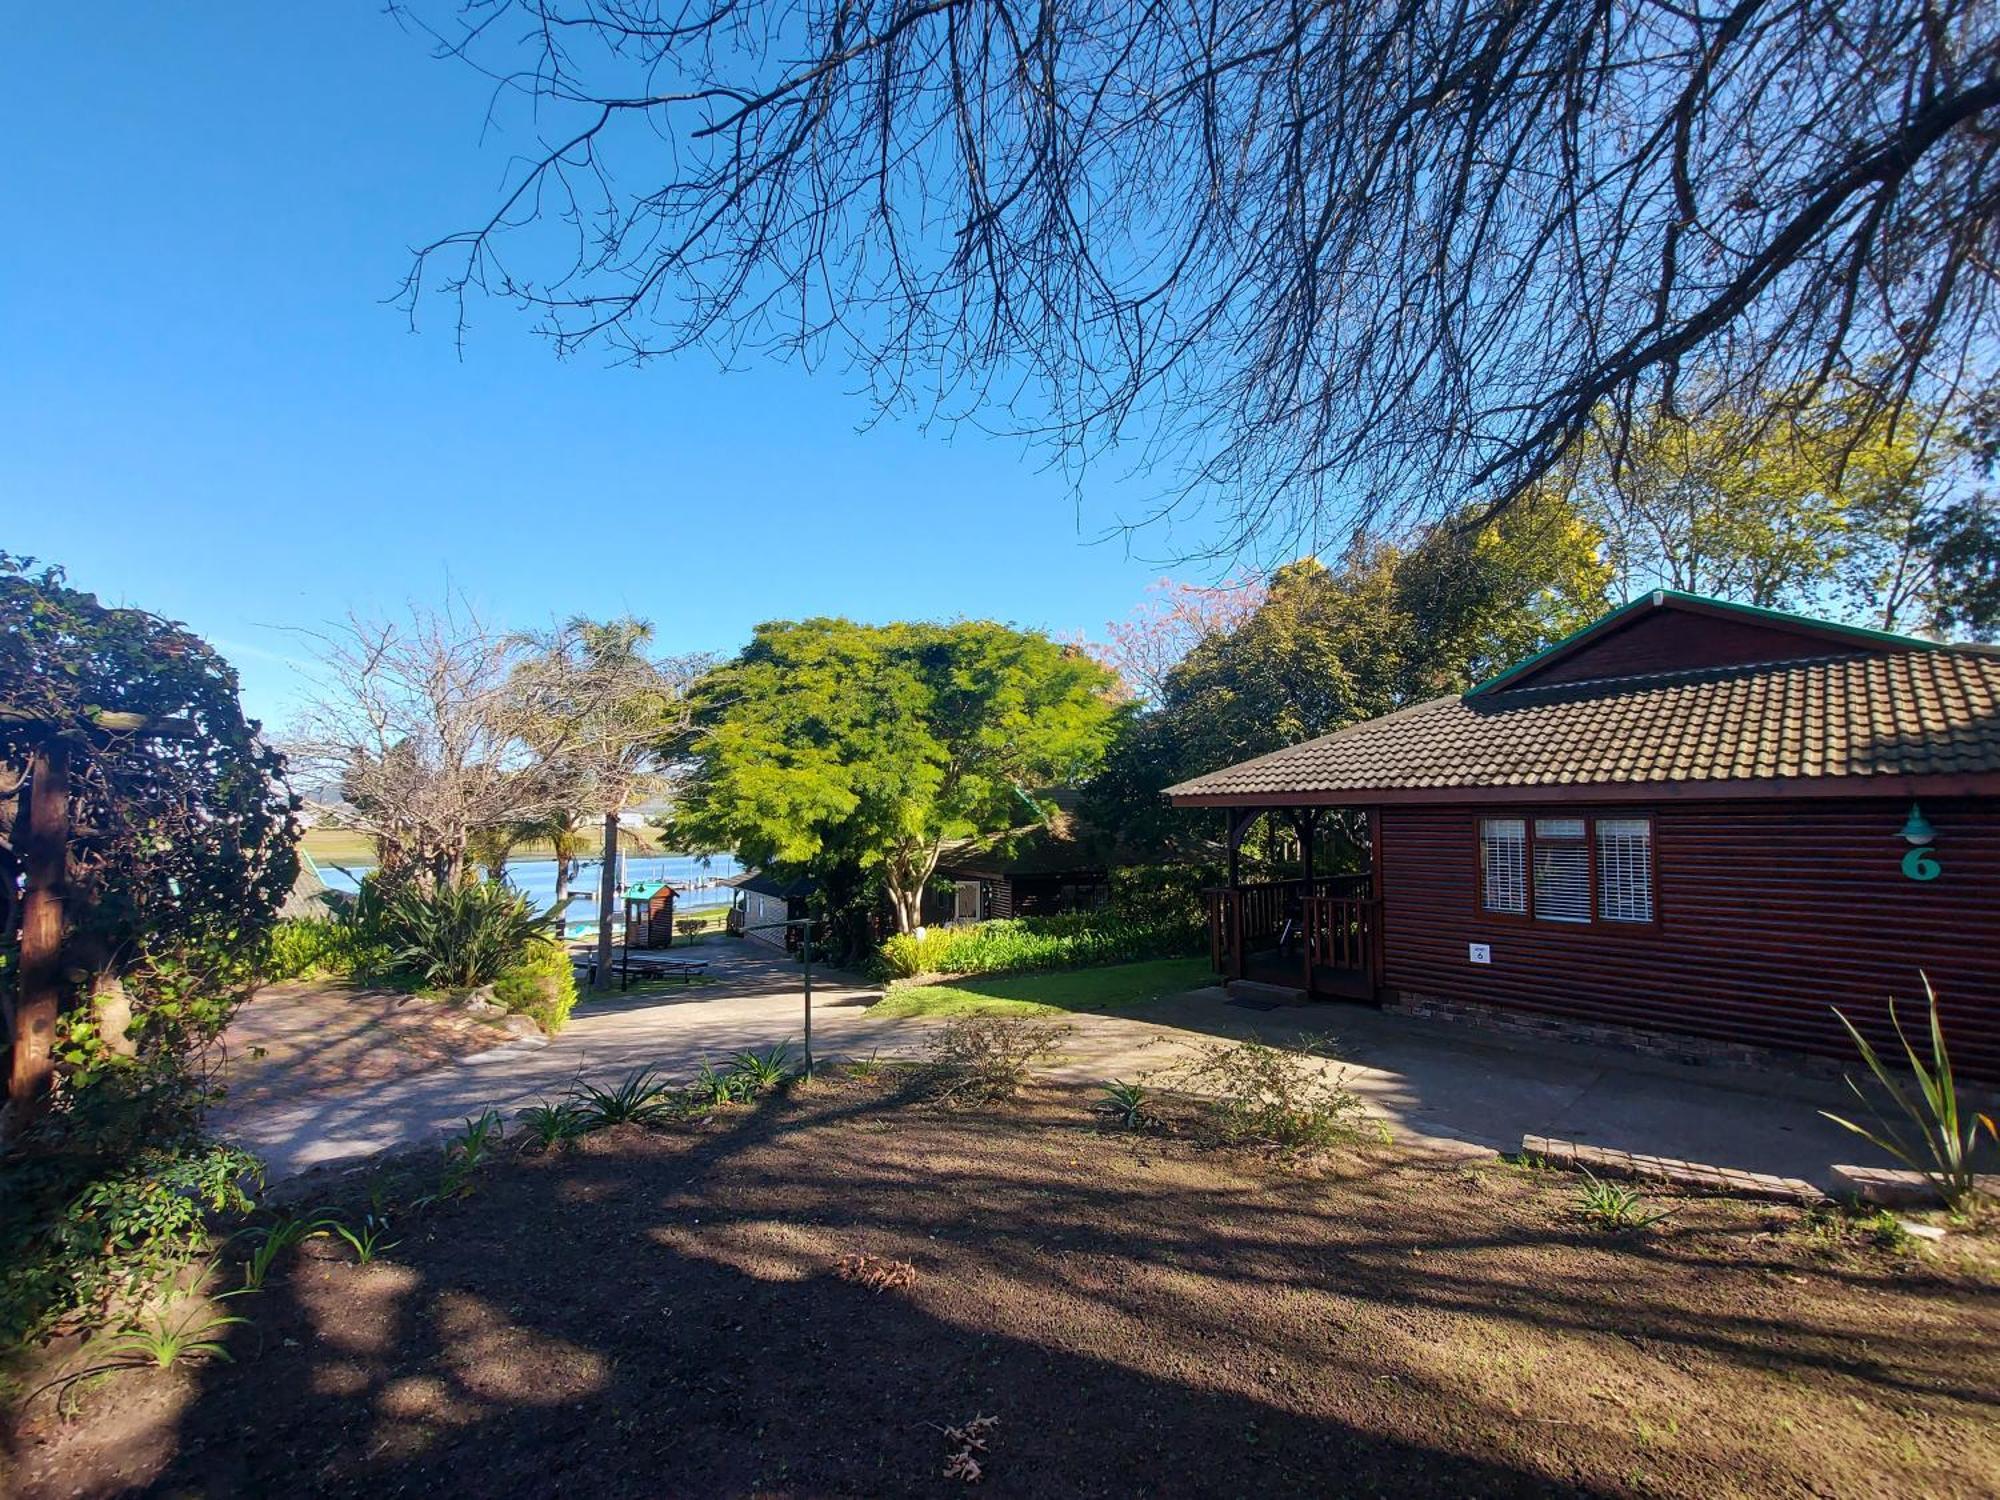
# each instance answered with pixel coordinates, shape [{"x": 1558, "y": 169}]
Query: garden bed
[{"x": 682, "y": 1311}]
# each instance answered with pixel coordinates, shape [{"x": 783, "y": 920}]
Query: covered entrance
[{"x": 1320, "y": 933}]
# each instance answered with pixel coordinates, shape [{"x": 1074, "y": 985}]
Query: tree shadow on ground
[{"x": 660, "y": 1314}]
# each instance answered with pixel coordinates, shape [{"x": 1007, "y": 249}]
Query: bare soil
[{"x": 682, "y": 1312}]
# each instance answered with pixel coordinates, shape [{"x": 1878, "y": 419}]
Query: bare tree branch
[{"x": 1313, "y": 265}]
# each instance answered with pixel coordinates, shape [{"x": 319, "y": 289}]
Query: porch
[{"x": 1318, "y": 933}]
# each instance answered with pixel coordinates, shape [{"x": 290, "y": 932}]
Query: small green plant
[
  {"x": 866, "y": 1068},
  {"x": 757, "y": 1071},
  {"x": 640, "y": 1099},
  {"x": 1611, "y": 1206},
  {"x": 550, "y": 1126},
  {"x": 713, "y": 1087},
  {"x": 165, "y": 1339},
  {"x": 1947, "y": 1135},
  {"x": 465, "y": 1152},
  {"x": 1885, "y": 1231},
  {"x": 365, "y": 1239},
  {"x": 1124, "y": 1104},
  {"x": 270, "y": 1241}
]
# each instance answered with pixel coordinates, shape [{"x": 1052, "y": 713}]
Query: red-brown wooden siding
[
  {"x": 1769, "y": 913},
  {"x": 1679, "y": 641}
]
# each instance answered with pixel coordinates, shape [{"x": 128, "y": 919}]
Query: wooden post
[
  {"x": 45, "y": 856},
  {"x": 605, "y": 897}
]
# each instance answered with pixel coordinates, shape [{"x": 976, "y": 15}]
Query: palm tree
[{"x": 601, "y": 708}]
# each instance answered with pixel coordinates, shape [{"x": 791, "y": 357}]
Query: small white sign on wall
[{"x": 1479, "y": 953}]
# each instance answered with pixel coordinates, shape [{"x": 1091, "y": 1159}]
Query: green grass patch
[{"x": 1111, "y": 987}]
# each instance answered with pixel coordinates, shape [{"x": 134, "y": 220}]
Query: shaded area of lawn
[
  {"x": 1112, "y": 987},
  {"x": 660, "y": 1313}
]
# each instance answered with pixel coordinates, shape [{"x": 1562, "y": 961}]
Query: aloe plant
[{"x": 1945, "y": 1135}]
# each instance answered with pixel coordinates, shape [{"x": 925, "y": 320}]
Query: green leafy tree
[
  {"x": 838, "y": 746},
  {"x": 1328, "y": 647},
  {"x": 182, "y": 836},
  {"x": 1832, "y": 505}
]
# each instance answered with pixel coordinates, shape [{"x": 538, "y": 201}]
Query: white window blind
[
  {"x": 1562, "y": 870},
  {"x": 1503, "y": 857},
  {"x": 1625, "y": 869}
]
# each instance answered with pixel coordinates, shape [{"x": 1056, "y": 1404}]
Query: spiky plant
[{"x": 1946, "y": 1137}]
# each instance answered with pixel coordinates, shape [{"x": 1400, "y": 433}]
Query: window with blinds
[
  {"x": 1625, "y": 869},
  {"x": 1503, "y": 856},
  {"x": 1562, "y": 870}
]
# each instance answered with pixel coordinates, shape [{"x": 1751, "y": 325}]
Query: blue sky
[{"x": 209, "y": 408}]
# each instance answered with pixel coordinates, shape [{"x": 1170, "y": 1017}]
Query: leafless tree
[
  {"x": 418, "y": 726},
  {"x": 1311, "y": 263}
]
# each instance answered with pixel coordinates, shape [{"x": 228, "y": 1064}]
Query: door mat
[{"x": 1250, "y": 1004}]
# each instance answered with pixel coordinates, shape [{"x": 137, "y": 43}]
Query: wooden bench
[{"x": 627, "y": 964}]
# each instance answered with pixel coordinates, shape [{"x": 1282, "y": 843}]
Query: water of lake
[{"x": 695, "y": 876}]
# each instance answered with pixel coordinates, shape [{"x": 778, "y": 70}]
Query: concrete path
[
  {"x": 1427, "y": 1078},
  {"x": 754, "y": 1000},
  {"x": 1445, "y": 1081}
]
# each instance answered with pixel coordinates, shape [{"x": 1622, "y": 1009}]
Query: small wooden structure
[{"x": 649, "y": 914}]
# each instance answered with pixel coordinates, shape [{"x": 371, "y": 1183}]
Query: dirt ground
[
  {"x": 661, "y": 1313},
  {"x": 308, "y": 1037}
]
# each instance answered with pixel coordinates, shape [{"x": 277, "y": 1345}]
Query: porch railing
[{"x": 1244, "y": 919}]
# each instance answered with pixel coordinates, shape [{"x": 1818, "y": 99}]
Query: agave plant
[
  {"x": 1945, "y": 1137},
  {"x": 758, "y": 1071},
  {"x": 1609, "y": 1206},
  {"x": 459, "y": 936},
  {"x": 1125, "y": 1104},
  {"x": 166, "y": 1339},
  {"x": 640, "y": 1099},
  {"x": 552, "y": 1125},
  {"x": 271, "y": 1241}
]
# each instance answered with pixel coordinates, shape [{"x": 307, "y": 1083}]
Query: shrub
[
  {"x": 458, "y": 936},
  {"x": 110, "y": 1195},
  {"x": 323, "y": 948},
  {"x": 1250, "y": 1094},
  {"x": 1946, "y": 1134},
  {"x": 541, "y": 986},
  {"x": 1026, "y": 944},
  {"x": 982, "y": 1059}
]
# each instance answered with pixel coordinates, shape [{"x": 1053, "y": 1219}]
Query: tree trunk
[
  {"x": 44, "y": 861},
  {"x": 605, "y": 898}
]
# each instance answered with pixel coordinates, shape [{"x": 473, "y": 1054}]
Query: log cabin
[{"x": 1693, "y": 826}]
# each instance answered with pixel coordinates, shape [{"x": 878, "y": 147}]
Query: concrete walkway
[
  {"x": 1427, "y": 1078},
  {"x": 1451, "y": 1082},
  {"x": 753, "y": 1000}
]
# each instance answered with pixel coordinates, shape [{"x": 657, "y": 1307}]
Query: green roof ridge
[{"x": 1653, "y": 598}]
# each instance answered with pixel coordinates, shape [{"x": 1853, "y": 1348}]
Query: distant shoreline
[{"x": 341, "y": 846}]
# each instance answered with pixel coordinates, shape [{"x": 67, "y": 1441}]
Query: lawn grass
[
  {"x": 1112, "y": 987},
  {"x": 677, "y": 1311}
]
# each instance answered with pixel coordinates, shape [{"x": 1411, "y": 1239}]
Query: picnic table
[{"x": 627, "y": 963}]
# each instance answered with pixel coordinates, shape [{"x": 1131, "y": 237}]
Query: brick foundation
[{"x": 1666, "y": 1045}]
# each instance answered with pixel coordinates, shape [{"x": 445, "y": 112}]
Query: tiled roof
[{"x": 1899, "y": 713}]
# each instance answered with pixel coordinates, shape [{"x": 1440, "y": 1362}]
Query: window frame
[{"x": 1528, "y": 813}]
